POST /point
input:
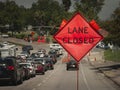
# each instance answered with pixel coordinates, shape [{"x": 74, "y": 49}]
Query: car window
[{"x": 9, "y": 61}]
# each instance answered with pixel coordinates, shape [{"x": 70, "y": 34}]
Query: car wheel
[
  {"x": 67, "y": 69},
  {"x": 34, "y": 75},
  {"x": 14, "y": 82},
  {"x": 43, "y": 73},
  {"x": 28, "y": 77},
  {"x": 52, "y": 68},
  {"x": 21, "y": 80}
]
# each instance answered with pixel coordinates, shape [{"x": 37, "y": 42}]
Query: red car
[{"x": 39, "y": 68}]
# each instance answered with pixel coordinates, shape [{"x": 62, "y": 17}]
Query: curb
[{"x": 109, "y": 77}]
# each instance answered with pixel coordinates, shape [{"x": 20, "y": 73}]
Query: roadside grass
[{"x": 112, "y": 55}]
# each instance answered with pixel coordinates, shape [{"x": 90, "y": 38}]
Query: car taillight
[{"x": 10, "y": 67}]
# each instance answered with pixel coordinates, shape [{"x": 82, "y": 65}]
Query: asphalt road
[
  {"x": 61, "y": 79},
  {"x": 89, "y": 78}
]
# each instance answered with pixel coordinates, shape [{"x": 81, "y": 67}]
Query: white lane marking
[
  {"x": 84, "y": 78},
  {"x": 33, "y": 89},
  {"x": 47, "y": 78}
]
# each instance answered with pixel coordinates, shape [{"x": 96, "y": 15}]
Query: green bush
[
  {"x": 20, "y": 36},
  {"x": 112, "y": 55}
]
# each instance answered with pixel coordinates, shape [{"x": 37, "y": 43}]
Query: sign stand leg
[{"x": 77, "y": 76}]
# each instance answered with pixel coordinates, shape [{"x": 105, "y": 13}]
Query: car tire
[
  {"x": 21, "y": 80},
  {"x": 67, "y": 69},
  {"x": 43, "y": 73},
  {"x": 52, "y": 68},
  {"x": 15, "y": 82},
  {"x": 34, "y": 75}
]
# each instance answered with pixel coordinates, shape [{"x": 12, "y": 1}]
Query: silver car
[{"x": 31, "y": 68}]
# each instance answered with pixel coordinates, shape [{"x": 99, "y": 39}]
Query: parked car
[
  {"x": 10, "y": 71},
  {"x": 72, "y": 64}
]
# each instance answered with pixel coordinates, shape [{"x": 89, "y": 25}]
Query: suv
[
  {"x": 10, "y": 70},
  {"x": 27, "y": 48}
]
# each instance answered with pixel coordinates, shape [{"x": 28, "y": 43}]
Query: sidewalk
[{"x": 109, "y": 68}]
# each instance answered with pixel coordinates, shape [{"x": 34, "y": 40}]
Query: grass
[{"x": 112, "y": 55}]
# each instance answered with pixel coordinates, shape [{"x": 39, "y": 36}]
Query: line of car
[{"x": 17, "y": 69}]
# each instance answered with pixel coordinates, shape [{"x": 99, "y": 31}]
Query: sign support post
[{"x": 77, "y": 75}]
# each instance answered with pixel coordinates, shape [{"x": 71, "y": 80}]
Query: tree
[
  {"x": 48, "y": 12},
  {"x": 42, "y": 12},
  {"x": 113, "y": 27},
  {"x": 66, "y": 4},
  {"x": 89, "y": 9}
]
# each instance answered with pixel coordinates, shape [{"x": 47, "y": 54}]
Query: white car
[
  {"x": 55, "y": 46},
  {"x": 4, "y": 35},
  {"x": 31, "y": 67}
]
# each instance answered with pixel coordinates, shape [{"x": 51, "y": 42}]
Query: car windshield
[{"x": 38, "y": 60}]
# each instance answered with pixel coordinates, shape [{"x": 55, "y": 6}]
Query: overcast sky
[{"x": 107, "y": 9}]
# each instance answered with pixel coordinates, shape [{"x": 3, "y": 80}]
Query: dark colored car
[
  {"x": 10, "y": 71},
  {"x": 54, "y": 58},
  {"x": 49, "y": 62},
  {"x": 53, "y": 52},
  {"x": 72, "y": 64},
  {"x": 34, "y": 55},
  {"x": 27, "y": 48}
]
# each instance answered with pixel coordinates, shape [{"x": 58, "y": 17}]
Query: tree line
[{"x": 51, "y": 13}]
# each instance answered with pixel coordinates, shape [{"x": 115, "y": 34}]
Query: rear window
[
  {"x": 7, "y": 61},
  {"x": 1, "y": 61}
]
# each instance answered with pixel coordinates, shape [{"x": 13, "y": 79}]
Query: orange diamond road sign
[{"x": 77, "y": 37}]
